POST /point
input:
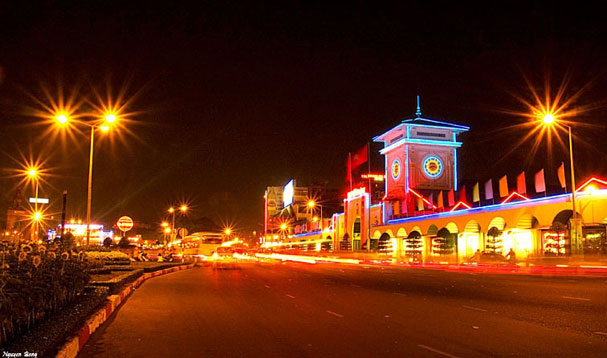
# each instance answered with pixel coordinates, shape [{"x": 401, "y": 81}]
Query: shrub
[{"x": 36, "y": 280}]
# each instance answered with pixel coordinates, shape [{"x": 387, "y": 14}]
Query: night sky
[{"x": 226, "y": 98}]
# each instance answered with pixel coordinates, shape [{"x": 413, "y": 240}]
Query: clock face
[
  {"x": 396, "y": 169},
  {"x": 433, "y": 166}
]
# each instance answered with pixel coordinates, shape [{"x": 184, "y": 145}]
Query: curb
[{"x": 75, "y": 343}]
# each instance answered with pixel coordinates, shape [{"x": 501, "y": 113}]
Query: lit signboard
[
  {"x": 288, "y": 192},
  {"x": 40, "y": 200}
]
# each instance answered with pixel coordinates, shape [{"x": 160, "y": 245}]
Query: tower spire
[{"x": 418, "y": 113}]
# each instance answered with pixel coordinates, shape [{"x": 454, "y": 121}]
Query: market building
[{"x": 420, "y": 218}]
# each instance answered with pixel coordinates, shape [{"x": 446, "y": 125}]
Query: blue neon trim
[
  {"x": 407, "y": 169},
  {"x": 455, "y": 168},
  {"x": 444, "y": 124},
  {"x": 479, "y": 209},
  {"x": 419, "y": 141},
  {"x": 374, "y": 206},
  {"x": 306, "y": 234},
  {"x": 408, "y": 131}
]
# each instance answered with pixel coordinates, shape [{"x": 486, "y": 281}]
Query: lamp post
[
  {"x": 312, "y": 204},
  {"x": 33, "y": 174},
  {"x": 549, "y": 119},
  {"x": 104, "y": 125}
]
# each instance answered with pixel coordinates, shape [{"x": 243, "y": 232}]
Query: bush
[
  {"x": 36, "y": 280},
  {"x": 107, "y": 242},
  {"x": 107, "y": 255},
  {"x": 124, "y": 243}
]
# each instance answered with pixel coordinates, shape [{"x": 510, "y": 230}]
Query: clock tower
[{"x": 420, "y": 154}]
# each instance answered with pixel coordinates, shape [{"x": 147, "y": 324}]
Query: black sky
[{"x": 232, "y": 97}]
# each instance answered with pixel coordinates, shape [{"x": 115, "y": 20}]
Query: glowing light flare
[
  {"x": 104, "y": 128},
  {"x": 62, "y": 118},
  {"x": 171, "y": 210},
  {"x": 164, "y": 224},
  {"x": 183, "y": 208},
  {"x": 311, "y": 203},
  {"x": 110, "y": 118},
  {"x": 592, "y": 180},
  {"x": 167, "y": 230},
  {"x": 227, "y": 231},
  {"x": 548, "y": 118}
]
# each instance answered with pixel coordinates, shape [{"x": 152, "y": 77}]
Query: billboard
[{"x": 288, "y": 193}]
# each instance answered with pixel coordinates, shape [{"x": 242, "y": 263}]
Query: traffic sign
[
  {"x": 183, "y": 232},
  {"x": 125, "y": 223}
]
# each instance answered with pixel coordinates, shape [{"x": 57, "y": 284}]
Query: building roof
[{"x": 424, "y": 122}]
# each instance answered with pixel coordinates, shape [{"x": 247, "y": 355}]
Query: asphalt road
[{"x": 331, "y": 310}]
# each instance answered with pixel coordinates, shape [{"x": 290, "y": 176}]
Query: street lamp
[
  {"x": 312, "y": 204},
  {"x": 33, "y": 174},
  {"x": 549, "y": 119},
  {"x": 104, "y": 125}
]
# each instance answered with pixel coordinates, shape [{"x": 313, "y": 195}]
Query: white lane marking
[
  {"x": 290, "y": 296},
  {"x": 354, "y": 285},
  {"x": 437, "y": 351},
  {"x": 474, "y": 308},
  {"x": 601, "y": 333},
  {"x": 576, "y": 298},
  {"x": 335, "y": 314},
  {"x": 400, "y": 294},
  {"x": 266, "y": 286}
]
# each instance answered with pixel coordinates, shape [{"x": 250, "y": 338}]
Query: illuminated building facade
[{"x": 416, "y": 220}]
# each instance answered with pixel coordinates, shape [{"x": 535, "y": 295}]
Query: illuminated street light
[
  {"x": 164, "y": 224},
  {"x": 228, "y": 231},
  {"x": 104, "y": 125},
  {"x": 283, "y": 226},
  {"x": 548, "y": 119},
  {"x": 312, "y": 204},
  {"x": 37, "y": 216},
  {"x": 183, "y": 208}
]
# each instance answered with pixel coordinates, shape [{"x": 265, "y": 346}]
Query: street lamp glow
[
  {"x": 62, "y": 118},
  {"x": 228, "y": 231},
  {"x": 311, "y": 203},
  {"x": 110, "y": 118},
  {"x": 104, "y": 128},
  {"x": 37, "y": 216},
  {"x": 183, "y": 208},
  {"x": 171, "y": 210},
  {"x": 548, "y": 118},
  {"x": 32, "y": 172},
  {"x": 167, "y": 230},
  {"x": 164, "y": 224},
  {"x": 283, "y": 226}
]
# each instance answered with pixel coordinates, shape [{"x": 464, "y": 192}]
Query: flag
[
  {"x": 503, "y": 184},
  {"x": 521, "y": 185},
  {"x": 420, "y": 204},
  {"x": 489, "y": 190},
  {"x": 561, "y": 173},
  {"x": 540, "y": 183},
  {"x": 439, "y": 200},
  {"x": 476, "y": 194},
  {"x": 431, "y": 199},
  {"x": 451, "y": 198},
  {"x": 360, "y": 157},
  {"x": 462, "y": 194}
]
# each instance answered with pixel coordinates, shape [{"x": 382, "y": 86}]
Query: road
[{"x": 334, "y": 310}]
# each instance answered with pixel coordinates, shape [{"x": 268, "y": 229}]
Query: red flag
[
  {"x": 439, "y": 200},
  {"x": 540, "y": 183},
  {"x": 451, "y": 197},
  {"x": 360, "y": 157},
  {"x": 561, "y": 173},
  {"x": 462, "y": 194},
  {"x": 521, "y": 185}
]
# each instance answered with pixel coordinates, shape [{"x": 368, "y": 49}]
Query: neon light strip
[
  {"x": 507, "y": 200},
  {"x": 444, "y": 124},
  {"x": 592, "y": 179},
  {"x": 406, "y": 168},
  {"x": 423, "y": 199},
  {"x": 418, "y": 141},
  {"x": 459, "y": 203},
  {"x": 494, "y": 207},
  {"x": 454, "y": 167}
]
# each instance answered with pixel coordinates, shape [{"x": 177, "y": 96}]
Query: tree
[
  {"x": 123, "y": 243},
  {"x": 494, "y": 245},
  {"x": 107, "y": 242}
]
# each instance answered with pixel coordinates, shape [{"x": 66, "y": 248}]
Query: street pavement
[{"x": 334, "y": 310}]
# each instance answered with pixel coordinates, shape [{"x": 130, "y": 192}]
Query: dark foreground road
[{"x": 300, "y": 310}]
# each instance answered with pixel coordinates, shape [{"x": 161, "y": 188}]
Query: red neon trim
[
  {"x": 513, "y": 194},
  {"x": 423, "y": 199},
  {"x": 460, "y": 203},
  {"x": 592, "y": 179}
]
